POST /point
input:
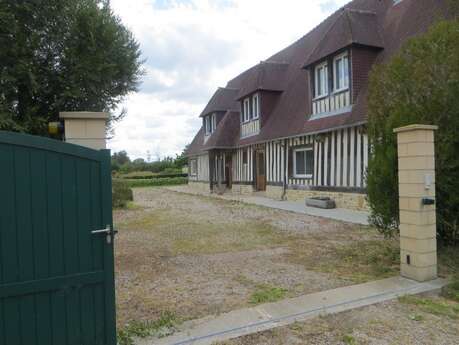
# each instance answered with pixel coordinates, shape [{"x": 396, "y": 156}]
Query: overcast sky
[{"x": 191, "y": 47}]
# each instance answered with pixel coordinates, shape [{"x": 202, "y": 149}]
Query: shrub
[
  {"x": 155, "y": 182},
  {"x": 121, "y": 194},
  {"x": 419, "y": 85}
]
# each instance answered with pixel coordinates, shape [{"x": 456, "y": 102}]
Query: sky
[{"x": 192, "y": 47}]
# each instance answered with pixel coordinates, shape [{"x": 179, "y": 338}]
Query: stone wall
[
  {"x": 351, "y": 201},
  {"x": 274, "y": 192},
  {"x": 202, "y": 187},
  {"x": 242, "y": 189}
]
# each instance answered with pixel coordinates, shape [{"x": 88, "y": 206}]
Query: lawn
[{"x": 180, "y": 257}]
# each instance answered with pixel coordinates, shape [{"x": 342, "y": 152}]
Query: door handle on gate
[{"x": 109, "y": 231}]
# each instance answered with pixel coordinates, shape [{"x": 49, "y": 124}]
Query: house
[{"x": 294, "y": 126}]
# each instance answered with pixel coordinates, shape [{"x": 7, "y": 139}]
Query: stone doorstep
[{"x": 267, "y": 316}]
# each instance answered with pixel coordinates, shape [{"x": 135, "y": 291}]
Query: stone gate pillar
[
  {"x": 416, "y": 165},
  {"x": 85, "y": 128}
]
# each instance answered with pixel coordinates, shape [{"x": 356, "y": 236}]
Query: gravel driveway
[{"x": 196, "y": 256}]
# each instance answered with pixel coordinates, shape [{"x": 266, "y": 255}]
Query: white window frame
[
  {"x": 317, "y": 69},
  {"x": 246, "y": 108},
  {"x": 256, "y": 106},
  {"x": 193, "y": 163},
  {"x": 336, "y": 78},
  {"x": 213, "y": 123},
  {"x": 207, "y": 125},
  {"x": 294, "y": 162}
]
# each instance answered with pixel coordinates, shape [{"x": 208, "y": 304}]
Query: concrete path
[
  {"x": 344, "y": 215},
  {"x": 267, "y": 316}
]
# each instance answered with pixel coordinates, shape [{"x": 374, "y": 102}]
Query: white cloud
[{"x": 192, "y": 47}]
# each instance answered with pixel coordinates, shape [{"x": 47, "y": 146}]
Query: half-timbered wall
[
  {"x": 219, "y": 162},
  {"x": 340, "y": 158},
  {"x": 332, "y": 103},
  {"x": 250, "y": 128},
  {"x": 243, "y": 172},
  {"x": 275, "y": 162},
  {"x": 202, "y": 168}
]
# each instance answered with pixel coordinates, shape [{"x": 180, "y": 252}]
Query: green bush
[
  {"x": 155, "y": 182},
  {"x": 419, "y": 85},
  {"x": 121, "y": 194}
]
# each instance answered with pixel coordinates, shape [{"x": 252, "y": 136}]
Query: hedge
[
  {"x": 420, "y": 85},
  {"x": 121, "y": 194},
  {"x": 155, "y": 182}
]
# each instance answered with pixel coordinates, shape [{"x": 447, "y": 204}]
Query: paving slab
[{"x": 267, "y": 316}]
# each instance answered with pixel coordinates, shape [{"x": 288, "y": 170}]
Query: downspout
[{"x": 284, "y": 185}]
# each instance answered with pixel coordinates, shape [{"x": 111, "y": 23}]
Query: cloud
[{"x": 191, "y": 47}]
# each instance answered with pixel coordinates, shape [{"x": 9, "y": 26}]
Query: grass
[
  {"x": 432, "y": 306},
  {"x": 181, "y": 235},
  {"x": 164, "y": 326},
  {"x": 358, "y": 261},
  {"x": 267, "y": 294}
]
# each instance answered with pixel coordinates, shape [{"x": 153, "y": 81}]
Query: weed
[
  {"x": 416, "y": 317},
  {"x": 164, "y": 326},
  {"x": 349, "y": 340},
  {"x": 266, "y": 294},
  {"x": 432, "y": 306}
]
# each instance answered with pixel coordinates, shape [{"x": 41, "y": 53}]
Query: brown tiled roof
[
  {"x": 372, "y": 23},
  {"x": 269, "y": 76},
  {"x": 224, "y": 99},
  {"x": 349, "y": 27}
]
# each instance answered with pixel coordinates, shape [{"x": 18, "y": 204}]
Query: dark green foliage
[
  {"x": 62, "y": 55},
  {"x": 155, "y": 182},
  {"x": 122, "y": 164},
  {"x": 121, "y": 194},
  {"x": 418, "y": 86}
]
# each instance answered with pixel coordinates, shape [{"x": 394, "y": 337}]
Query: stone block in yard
[{"x": 321, "y": 202}]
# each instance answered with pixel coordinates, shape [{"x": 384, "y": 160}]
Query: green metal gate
[{"x": 56, "y": 275}]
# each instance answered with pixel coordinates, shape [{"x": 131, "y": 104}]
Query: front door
[
  {"x": 56, "y": 259},
  {"x": 260, "y": 170}
]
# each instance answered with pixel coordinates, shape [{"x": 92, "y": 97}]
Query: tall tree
[{"x": 63, "y": 55}]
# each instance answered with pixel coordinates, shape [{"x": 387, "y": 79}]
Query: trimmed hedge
[
  {"x": 121, "y": 194},
  {"x": 155, "y": 182},
  {"x": 146, "y": 176}
]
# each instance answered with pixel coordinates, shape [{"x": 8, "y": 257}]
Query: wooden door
[
  {"x": 260, "y": 170},
  {"x": 56, "y": 256}
]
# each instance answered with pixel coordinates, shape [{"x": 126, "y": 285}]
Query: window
[
  {"x": 210, "y": 123},
  {"x": 193, "y": 167},
  {"x": 256, "y": 106},
  {"x": 207, "y": 125},
  {"x": 214, "y": 122},
  {"x": 303, "y": 163},
  {"x": 247, "y": 110},
  {"x": 341, "y": 72},
  {"x": 321, "y": 80}
]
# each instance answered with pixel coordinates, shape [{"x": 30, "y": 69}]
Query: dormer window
[
  {"x": 210, "y": 123},
  {"x": 246, "y": 110},
  {"x": 321, "y": 80},
  {"x": 251, "y": 108},
  {"x": 256, "y": 106},
  {"x": 341, "y": 72}
]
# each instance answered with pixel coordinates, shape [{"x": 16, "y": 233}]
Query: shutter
[{"x": 290, "y": 162}]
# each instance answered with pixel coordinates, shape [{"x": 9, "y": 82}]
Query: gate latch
[{"x": 109, "y": 231}]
